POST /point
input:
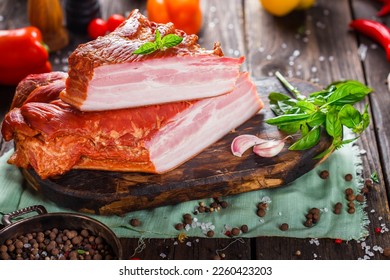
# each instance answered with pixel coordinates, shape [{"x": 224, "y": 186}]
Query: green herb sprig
[
  {"x": 168, "y": 41},
  {"x": 331, "y": 109}
]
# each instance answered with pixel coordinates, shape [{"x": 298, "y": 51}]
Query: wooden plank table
[{"x": 314, "y": 45}]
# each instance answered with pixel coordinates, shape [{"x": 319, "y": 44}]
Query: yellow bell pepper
[{"x": 284, "y": 7}]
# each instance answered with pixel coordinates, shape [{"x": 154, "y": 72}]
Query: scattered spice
[
  {"x": 235, "y": 231},
  {"x": 283, "y": 227},
  {"x": 337, "y": 208},
  {"x": 351, "y": 210},
  {"x": 224, "y": 204},
  {"x": 351, "y": 197},
  {"x": 359, "y": 198},
  {"x": 135, "y": 222},
  {"x": 187, "y": 218},
  {"x": 244, "y": 228},
  {"x": 324, "y": 174},
  {"x": 348, "y": 191},
  {"x": 54, "y": 244},
  {"x": 312, "y": 217},
  {"x": 261, "y": 212},
  {"x": 369, "y": 183},
  {"x": 297, "y": 253},
  {"x": 179, "y": 226},
  {"x": 210, "y": 233},
  {"x": 348, "y": 177}
]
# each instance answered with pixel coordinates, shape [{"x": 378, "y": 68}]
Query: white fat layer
[{"x": 207, "y": 122}]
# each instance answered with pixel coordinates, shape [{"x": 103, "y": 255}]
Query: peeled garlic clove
[
  {"x": 269, "y": 149},
  {"x": 243, "y": 142}
]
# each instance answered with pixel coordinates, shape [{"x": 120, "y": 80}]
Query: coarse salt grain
[
  {"x": 261, "y": 49},
  {"x": 331, "y": 58},
  {"x": 211, "y": 24},
  {"x": 236, "y": 52},
  {"x": 362, "y": 51},
  {"x": 163, "y": 255},
  {"x": 213, "y": 9},
  {"x": 320, "y": 25},
  {"x": 296, "y": 53},
  {"x": 189, "y": 244},
  {"x": 175, "y": 243},
  {"x": 269, "y": 57},
  {"x": 284, "y": 46},
  {"x": 380, "y": 218},
  {"x": 372, "y": 211},
  {"x": 230, "y": 26},
  {"x": 313, "y": 69},
  {"x": 187, "y": 227},
  {"x": 1, "y": 18}
]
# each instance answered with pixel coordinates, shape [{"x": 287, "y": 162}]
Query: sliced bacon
[
  {"x": 104, "y": 74},
  {"x": 54, "y": 137}
]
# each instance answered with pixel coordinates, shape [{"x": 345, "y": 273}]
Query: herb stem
[{"x": 289, "y": 86}]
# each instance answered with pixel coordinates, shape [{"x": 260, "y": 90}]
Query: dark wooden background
[{"x": 314, "y": 45}]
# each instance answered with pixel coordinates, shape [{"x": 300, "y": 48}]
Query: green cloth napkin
[{"x": 288, "y": 204}]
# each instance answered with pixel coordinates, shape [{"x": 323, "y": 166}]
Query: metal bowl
[{"x": 47, "y": 221}]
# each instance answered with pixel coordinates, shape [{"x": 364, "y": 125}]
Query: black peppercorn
[{"x": 324, "y": 174}]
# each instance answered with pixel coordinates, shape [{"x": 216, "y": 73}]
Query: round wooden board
[{"x": 214, "y": 172}]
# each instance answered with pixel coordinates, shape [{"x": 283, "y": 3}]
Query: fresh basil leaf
[
  {"x": 304, "y": 129},
  {"x": 348, "y": 93},
  {"x": 333, "y": 125},
  {"x": 276, "y": 96},
  {"x": 286, "y": 119},
  {"x": 171, "y": 40},
  {"x": 349, "y": 116},
  {"x": 306, "y": 106},
  {"x": 308, "y": 141},
  {"x": 316, "y": 119},
  {"x": 290, "y": 128},
  {"x": 325, "y": 93},
  {"x": 344, "y": 142},
  {"x": 167, "y": 41},
  {"x": 146, "y": 48},
  {"x": 365, "y": 118},
  {"x": 157, "y": 39},
  {"x": 288, "y": 107},
  {"x": 374, "y": 177}
]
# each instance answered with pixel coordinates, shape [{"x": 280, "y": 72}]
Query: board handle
[{"x": 7, "y": 218}]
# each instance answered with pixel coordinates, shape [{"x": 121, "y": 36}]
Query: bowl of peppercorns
[{"x": 56, "y": 236}]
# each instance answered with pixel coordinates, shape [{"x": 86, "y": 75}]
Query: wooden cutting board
[{"x": 213, "y": 173}]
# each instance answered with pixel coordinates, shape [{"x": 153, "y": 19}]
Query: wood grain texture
[{"x": 214, "y": 172}]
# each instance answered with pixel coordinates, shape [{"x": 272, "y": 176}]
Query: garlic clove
[
  {"x": 269, "y": 149},
  {"x": 243, "y": 142}
]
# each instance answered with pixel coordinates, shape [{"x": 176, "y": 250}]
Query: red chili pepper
[
  {"x": 385, "y": 9},
  {"x": 378, "y": 230},
  {"x": 338, "y": 241},
  {"x": 21, "y": 53},
  {"x": 374, "y": 30}
]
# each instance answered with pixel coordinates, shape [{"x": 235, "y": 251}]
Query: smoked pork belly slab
[
  {"x": 104, "y": 74},
  {"x": 53, "y": 137}
]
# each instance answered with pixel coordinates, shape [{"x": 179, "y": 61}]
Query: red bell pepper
[
  {"x": 375, "y": 30},
  {"x": 22, "y": 52}
]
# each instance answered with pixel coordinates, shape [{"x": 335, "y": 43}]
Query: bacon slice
[
  {"x": 104, "y": 74},
  {"x": 54, "y": 137}
]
